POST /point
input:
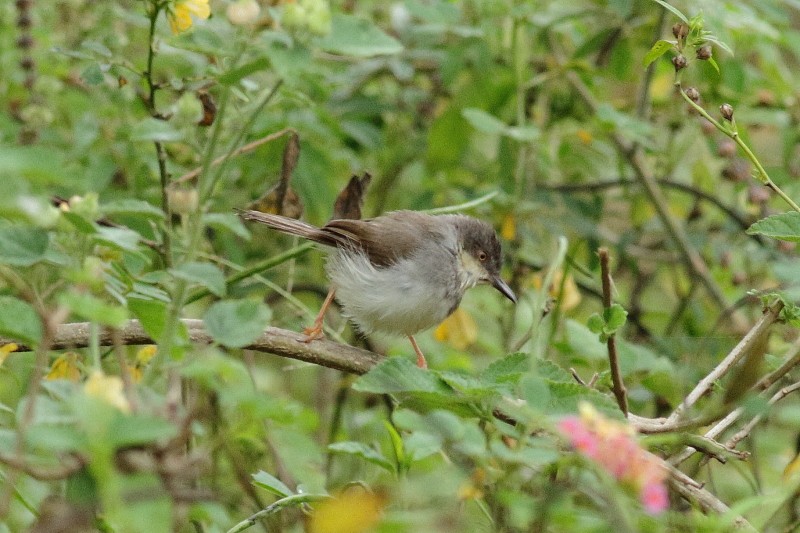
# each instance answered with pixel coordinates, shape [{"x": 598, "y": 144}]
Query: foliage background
[{"x": 541, "y": 110}]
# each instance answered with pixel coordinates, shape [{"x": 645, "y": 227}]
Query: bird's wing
[{"x": 388, "y": 238}]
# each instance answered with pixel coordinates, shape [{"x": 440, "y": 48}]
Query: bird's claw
[{"x": 312, "y": 333}]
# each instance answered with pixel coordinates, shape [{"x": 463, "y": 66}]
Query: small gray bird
[{"x": 402, "y": 272}]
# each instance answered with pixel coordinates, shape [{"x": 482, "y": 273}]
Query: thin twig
[
  {"x": 618, "y": 386},
  {"x": 249, "y": 147},
  {"x": 745, "y": 431},
  {"x": 751, "y": 339}
]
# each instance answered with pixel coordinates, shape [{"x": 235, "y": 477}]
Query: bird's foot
[{"x": 312, "y": 333}]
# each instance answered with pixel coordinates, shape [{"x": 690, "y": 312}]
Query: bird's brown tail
[{"x": 290, "y": 226}]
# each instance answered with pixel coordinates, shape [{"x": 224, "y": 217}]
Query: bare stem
[{"x": 618, "y": 386}]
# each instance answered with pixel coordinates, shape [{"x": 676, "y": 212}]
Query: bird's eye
[{"x": 482, "y": 256}]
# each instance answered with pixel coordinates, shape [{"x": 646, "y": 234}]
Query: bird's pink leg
[{"x": 421, "y": 362}]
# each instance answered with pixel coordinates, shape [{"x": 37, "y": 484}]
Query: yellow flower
[
  {"x": 65, "y": 367},
  {"x": 107, "y": 389},
  {"x": 180, "y": 16},
  {"x": 7, "y": 349}
]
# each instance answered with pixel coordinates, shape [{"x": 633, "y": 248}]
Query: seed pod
[
  {"x": 680, "y": 30},
  {"x": 704, "y": 52},
  {"x": 679, "y": 62},
  {"x": 693, "y": 94},
  {"x": 726, "y": 110}
]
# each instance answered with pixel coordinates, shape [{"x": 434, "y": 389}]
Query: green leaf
[
  {"x": 615, "y": 317},
  {"x": 151, "y": 313},
  {"x": 397, "y": 444},
  {"x": 507, "y": 369},
  {"x": 80, "y": 223},
  {"x": 237, "y": 323},
  {"x": 365, "y": 452},
  {"x": 713, "y": 63},
  {"x": 552, "y": 372},
  {"x": 565, "y": 397},
  {"x": 19, "y": 321},
  {"x": 120, "y": 238},
  {"x": 272, "y": 484},
  {"x": 131, "y": 206},
  {"x": 397, "y": 374},
  {"x": 674, "y": 10},
  {"x": 151, "y": 129},
  {"x": 205, "y": 274},
  {"x": 126, "y": 431},
  {"x": 483, "y": 121},
  {"x": 94, "y": 309},
  {"x": 595, "y": 323},
  {"x": 22, "y": 245},
  {"x": 237, "y": 74},
  {"x": 92, "y": 75},
  {"x": 659, "y": 49},
  {"x": 784, "y": 226},
  {"x": 227, "y": 221},
  {"x": 353, "y": 36}
]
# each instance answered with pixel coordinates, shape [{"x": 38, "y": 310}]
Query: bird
[{"x": 402, "y": 272}]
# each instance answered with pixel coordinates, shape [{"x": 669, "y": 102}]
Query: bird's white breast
[{"x": 406, "y": 297}]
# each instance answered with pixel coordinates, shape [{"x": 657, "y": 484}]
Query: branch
[
  {"x": 618, "y": 386},
  {"x": 273, "y": 340},
  {"x": 744, "y": 347}
]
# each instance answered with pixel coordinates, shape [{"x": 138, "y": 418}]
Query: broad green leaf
[
  {"x": 615, "y": 316},
  {"x": 120, "y": 238},
  {"x": 674, "y": 10},
  {"x": 784, "y": 226},
  {"x": 92, "y": 75},
  {"x": 80, "y": 223},
  {"x": 131, "y": 206},
  {"x": 22, "y": 245},
  {"x": 353, "y": 36},
  {"x": 659, "y": 49},
  {"x": 237, "y": 323},
  {"x": 205, "y": 274},
  {"x": 19, "y": 321},
  {"x": 365, "y": 452},
  {"x": 227, "y": 221},
  {"x": 151, "y": 313},
  {"x": 136, "y": 430},
  {"x": 595, "y": 323},
  {"x": 483, "y": 121},
  {"x": 236, "y": 74},
  {"x": 552, "y": 372},
  {"x": 151, "y": 129},
  {"x": 397, "y": 374},
  {"x": 272, "y": 484},
  {"x": 97, "y": 47},
  {"x": 507, "y": 369},
  {"x": 94, "y": 309},
  {"x": 565, "y": 397}
]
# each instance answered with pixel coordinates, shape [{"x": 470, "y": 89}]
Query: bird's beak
[{"x": 504, "y": 289}]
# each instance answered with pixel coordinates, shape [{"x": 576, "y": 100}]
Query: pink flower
[{"x": 613, "y": 446}]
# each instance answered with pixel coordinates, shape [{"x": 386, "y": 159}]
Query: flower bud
[
  {"x": 243, "y": 12},
  {"x": 726, "y": 110},
  {"x": 679, "y": 62},
  {"x": 680, "y": 30},
  {"x": 704, "y": 52},
  {"x": 693, "y": 94}
]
